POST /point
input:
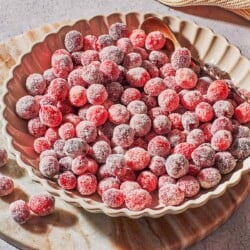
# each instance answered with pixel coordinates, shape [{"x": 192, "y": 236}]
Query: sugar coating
[
  {"x": 87, "y": 131},
  {"x": 203, "y": 84},
  {"x": 47, "y": 100},
  {"x": 141, "y": 124},
  {"x": 101, "y": 151},
  {"x": 170, "y": 82},
  {"x": 78, "y": 96},
  {"x": 128, "y": 186},
  {"x": 154, "y": 86},
  {"x": 171, "y": 195},
  {"x": 168, "y": 100},
  {"x": 103, "y": 41},
  {"x": 242, "y": 113},
  {"x": 65, "y": 163},
  {"x": 19, "y": 211},
  {"x": 59, "y": 89},
  {"x": 175, "y": 119},
  {"x": 125, "y": 45},
  {"x": 129, "y": 95},
  {"x": 110, "y": 70},
  {"x": 73, "y": 41},
  {"x": 217, "y": 90},
  {"x": 138, "y": 37},
  {"x": 132, "y": 60},
  {"x": 221, "y": 140},
  {"x": 196, "y": 137},
  {"x": 49, "y": 166},
  {"x": 158, "y": 58},
  {"x": 150, "y": 101},
  {"x": 155, "y": 41},
  {"x": 107, "y": 183},
  {"x": 175, "y": 137},
  {"x": 52, "y": 135},
  {"x": 206, "y": 128},
  {"x": 186, "y": 78},
  {"x": 72, "y": 118},
  {"x": 161, "y": 124},
  {"x": 189, "y": 185},
  {"x": 147, "y": 180},
  {"x": 156, "y": 111},
  {"x": 118, "y": 114},
  {"x": 35, "y": 84},
  {"x": 157, "y": 165},
  {"x": 115, "y": 90},
  {"x": 225, "y": 162},
  {"x": 67, "y": 180},
  {"x": 209, "y": 177},
  {"x": 189, "y": 121},
  {"x": 75, "y": 147},
  {"x": 113, "y": 197},
  {"x": 137, "y": 77},
  {"x": 96, "y": 94},
  {"x": 167, "y": 70},
  {"x": 151, "y": 68},
  {"x": 116, "y": 165},
  {"x": 118, "y": 30},
  {"x": 137, "y": 107},
  {"x": 204, "y": 111},
  {"x": 138, "y": 199},
  {"x": 181, "y": 58},
  {"x": 79, "y": 165},
  {"x": 48, "y": 152},
  {"x": 137, "y": 158},
  {"x": 50, "y": 116},
  {"x": 75, "y": 78},
  {"x": 191, "y": 99},
  {"x": 221, "y": 123},
  {"x": 66, "y": 131},
  {"x": 240, "y": 148},
  {"x": 159, "y": 145},
  {"x": 241, "y": 131},
  {"x": 164, "y": 179},
  {"x": 36, "y": 128},
  {"x": 89, "y": 42},
  {"x": 223, "y": 108},
  {"x": 112, "y": 53},
  {"x": 91, "y": 74},
  {"x": 41, "y": 144},
  {"x": 123, "y": 135},
  {"x": 76, "y": 57},
  {"x": 97, "y": 114},
  {"x": 48, "y": 75},
  {"x": 6, "y": 185},
  {"x": 86, "y": 184},
  {"x": 176, "y": 165},
  {"x": 203, "y": 156},
  {"x": 27, "y": 107},
  {"x": 118, "y": 150},
  {"x": 61, "y": 63},
  {"x": 185, "y": 149}
]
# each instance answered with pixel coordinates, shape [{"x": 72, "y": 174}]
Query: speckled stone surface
[{"x": 20, "y": 16}]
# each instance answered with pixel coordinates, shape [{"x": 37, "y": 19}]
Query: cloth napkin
[{"x": 240, "y": 7}]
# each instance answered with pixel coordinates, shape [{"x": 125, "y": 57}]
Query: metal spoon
[{"x": 155, "y": 24}]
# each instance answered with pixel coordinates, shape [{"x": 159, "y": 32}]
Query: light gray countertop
[{"x": 20, "y": 16}]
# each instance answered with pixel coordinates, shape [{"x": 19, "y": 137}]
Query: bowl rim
[{"x": 53, "y": 188}]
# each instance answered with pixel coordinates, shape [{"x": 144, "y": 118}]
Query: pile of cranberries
[{"x": 118, "y": 115}]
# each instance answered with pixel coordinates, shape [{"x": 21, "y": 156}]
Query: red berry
[
  {"x": 168, "y": 100},
  {"x": 159, "y": 145},
  {"x": 67, "y": 180},
  {"x": 118, "y": 114},
  {"x": 221, "y": 140},
  {"x": 157, "y": 165},
  {"x": 204, "y": 112},
  {"x": 137, "y": 77},
  {"x": 6, "y": 185},
  {"x": 242, "y": 112},
  {"x": 181, "y": 58},
  {"x": 20, "y": 211},
  {"x": 154, "y": 86},
  {"x": 155, "y": 40},
  {"x": 123, "y": 135},
  {"x": 186, "y": 78},
  {"x": 113, "y": 197},
  {"x": 217, "y": 90},
  {"x": 50, "y": 116},
  {"x": 147, "y": 180},
  {"x": 73, "y": 41},
  {"x": 209, "y": 177},
  {"x": 189, "y": 185},
  {"x": 35, "y": 84},
  {"x": 171, "y": 195},
  {"x": 97, "y": 114},
  {"x": 78, "y": 96},
  {"x": 138, "y": 38},
  {"x": 86, "y": 184}
]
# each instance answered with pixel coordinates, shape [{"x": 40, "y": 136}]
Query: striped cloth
[{"x": 240, "y": 7}]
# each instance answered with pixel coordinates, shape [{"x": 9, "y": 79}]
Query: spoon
[{"x": 156, "y": 24}]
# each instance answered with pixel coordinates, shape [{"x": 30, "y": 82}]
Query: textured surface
[{"x": 233, "y": 235}]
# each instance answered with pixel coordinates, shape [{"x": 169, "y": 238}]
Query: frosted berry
[
  {"x": 50, "y": 116},
  {"x": 165, "y": 179},
  {"x": 171, "y": 195},
  {"x": 91, "y": 74},
  {"x": 170, "y": 82},
  {"x": 73, "y": 41},
  {"x": 66, "y": 131},
  {"x": 115, "y": 90},
  {"x": 79, "y": 165},
  {"x": 189, "y": 185},
  {"x": 167, "y": 70},
  {"x": 223, "y": 108},
  {"x": 221, "y": 123},
  {"x": 137, "y": 77},
  {"x": 113, "y": 197},
  {"x": 225, "y": 162},
  {"x": 175, "y": 119},
  {"x": 97, "y": 114},
  {"x": 89, "y": 42},
  {"x": 58, "y": 148},
  {"x": 110, "y": 70},
  {"x": 155, "y": 40},
  {"x": 158, "y": 58},
  {"x": 181, "y": 58},
  {"x": 209, "y": 177},
  {"x": 138, "y": 37},
  {"x": 36, "y": 128},
  {"x": 67, "y": 180},
  {"x": 116, "y": 165},
  {"x": 19, "y": 211},
  {"x": 107, "y": 183},
  {"x": 41, "y": 144},
  {"x": 185, "y": 149},
  {"x": 48, "y": 152},
  {"x": 35, "y": 84},
  {"x": 118, "y": 30},
  {"x": 156, "y": 111},
  {"x": 168, "y": 100},
  {"x": 189, "y": 121},
  {"x": 138, "y": 199},
  {"x": 147, "y": 180},
  {"x": 27, "y": 107},
  {"x": 125, "y": 45},
  {"x": 159, "y": 145},
  {"x": 129, "y": 95},
  {"x": 48, "y": 75},
  {"x": 221, "y": 140},
  {"x": 157, "y": 165},
  {"x": 217, "y": 90},
  {"x": 52, "y": 135},
  {"x": 112, "y": 53},
  {"x": 191, "y": 99},
  {"x": 87, "y": 131},
  {"x": 6, "y": 185},
  {"x": 103, "y": 41},
  {"x": 128, "y": 186},
  {"x": 242, "y": 112},
  {"x": 161, "y": 125},
  {"x": 186, "y": 78},
  {"x": 151, "y": 68},
  {"x": 154, "y": 86},
  {"x": 65, "y": 163},
  {"x": 118, "y": 114},
  {"x": 141, "y": 124},
  {"x": 204, "y": 112},
  {"x": 101, "y": 151},
  {"x": 49, "y": 166},
  {"x": 241, "y": 131},
  {"x": 132, "y": 60},
  {"x": 176, "y": 137},
  {"x": 123, "y": 135},
  {"x": 72, "y": 118},
  {"x": 86, "y": 184},
  {"x": 196, "y": 137},
  {"x": 47, "y": 100},
  {"x": 137, "y": 107},
  {"x": 240, "y": 148},
  {"x": 74, "y": 147},
  {"x": 78, "y": 96},
  {"x": 150, "y": 101}
]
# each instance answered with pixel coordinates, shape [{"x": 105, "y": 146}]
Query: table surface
[{"x": 20, "y": 16}]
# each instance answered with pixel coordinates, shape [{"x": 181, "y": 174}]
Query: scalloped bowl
[{"x": 205, "y": 46}]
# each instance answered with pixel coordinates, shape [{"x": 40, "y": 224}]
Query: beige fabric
[{"x": 240, "y": 7}]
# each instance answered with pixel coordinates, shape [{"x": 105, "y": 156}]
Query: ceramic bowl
[{"x": 205, "y": 46}]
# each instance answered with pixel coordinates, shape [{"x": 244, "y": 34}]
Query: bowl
[{"x": 205, "y": 46}]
